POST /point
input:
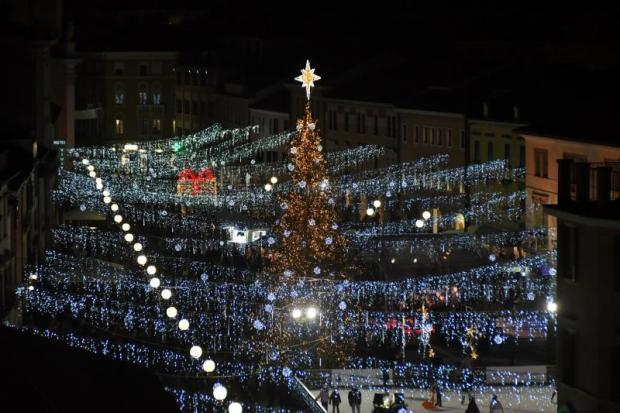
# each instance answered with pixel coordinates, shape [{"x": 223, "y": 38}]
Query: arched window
[
  {"x": 156, "y": 93},
  {"x": 119, "y": 94},
  {"x": 143, "y": 95}
]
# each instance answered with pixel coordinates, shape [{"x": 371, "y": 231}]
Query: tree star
[{"x": 307, "y": 78}]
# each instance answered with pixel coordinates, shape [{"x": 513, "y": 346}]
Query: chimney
[
  {"x": 564, "y": 168},
  {"x": 582, "y": 178},
  {"x": 515, "y": 112},
  {"x": 603, "y": 183}
]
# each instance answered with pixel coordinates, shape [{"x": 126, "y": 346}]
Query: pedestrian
[
  {"x": 335, "y": 400},
  {"x": 472, "y": 407},
  {"x": 324, "y": 397},
  {"x": 355, "y": 399},
  {"x": 495, "y": 406},
  {"x": 437, "y": 396}
]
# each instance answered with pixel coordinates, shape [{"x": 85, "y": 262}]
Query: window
[
  {"x": 462, "y": 139},
  {"x": 568, "y": 251},
  {"x": 156, "y": 126},
  {"x": 432, "y": 136},
  {"x": 476, "y": 151},
  {"x": 119, "y": 97},
  {"x": 156, "y": 95},
  {"x": 449, "y": 137},
  {"x": 507, "y": 152},
  {"x": 362, "y": 123},
  {"x": 119, "y": 127},
  {"x": 376, "y": 125},
  {"x": 416, "y": 136},
  {"x": 425, "y": 135},
  {"x": 346, "y": 121},
  {"x": 275, "y": 126},
  {"x": 179, "y": 106},
  {"x": 540, "y": 163},
  {"x": 489, "y": 151},
  {"x": 440, "y": 136},
  {"x": 143, "y": 69},
  {"x": 404, "y": 132}
]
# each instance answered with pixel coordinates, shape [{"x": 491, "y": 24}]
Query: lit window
[
  {"x": 142, "y": 98},
  {"x": 119, "y": 97},
  {"x": 120, "y": 127},
  {"x": 156, "y": 126}
]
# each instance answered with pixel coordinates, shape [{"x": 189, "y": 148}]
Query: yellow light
[
  {"x": 141, "y": 259},
  {"x": 126, "y": 227},
  {"x": 137, "y": 247},
  {"x": 307, "y": 78},
  {"x": 114, "y": 207},
  {"x": 118, "y": 219}
]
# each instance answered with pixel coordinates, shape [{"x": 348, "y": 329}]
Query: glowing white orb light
[
  {"x": 141, "y": 259},
  {"x": 419, "y": 223},
  {"x": 552, "y": 307},
  {"x": 155, "y": 283},
  {"x": 426, "y": 215},
  {"x": 268, "y": 187},
  {"x": 376, "y": 203},
  {"x": 99, "y": 186},
  {"x": 118, "y": 219},
  {"x": 92, "y": 174},
  {"x": 171, "y": 312},
  {"x": 126, "y": 227},
  {"x": 183, "y": 324},
  {"x": 107, "y": 199},
  {"x": 273, "y": 180},
  {"x": 85, "y": 161},
  {"x": 296, "y": 313},
  {"x": 166, "y": 294},
  {"x": 137, "y": 247},
  {"x": 106, "y": 193},
  {"x": 370, "y": 212},
  {"x": 235, "y": 407},
  {"x": 151, "y": 269},
  {"x": 208, "y": 366},
  {"x": 98, "y": 181},
  {"x": 311, "y": 312},
  {"x": 195, "y": 352},
  {"x": 91, "y": 168},
  {"x": 219, "y": 392},
  {"x": 128, "y": 237},
  {"x": 114, "y": 207}
]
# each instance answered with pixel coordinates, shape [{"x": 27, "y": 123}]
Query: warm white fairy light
[
  {"x": 114, "y": 207},
  {"x": 118, "y": 218},
  {"x": 141, "y": 259},
  {"x": 370, "y": 212},
  {"x": 235, "y": 407},
  {"x": 183, "y": 324},
  {"x": 166, "y": 294},
  {"x": 268, "y": 187},
  {"x": 99, "y": 186},
  {"x": 219, "y": 392},
  {"x": 195, "y": 352},
  {"x": 137, "y": 247},
  {"x": 106, "y": 193},
  {"x": 151, "y": 269},
  {"x": 85, "y": 161},
  {"x": 126, "y": 227},
  {"x": 129, "y": 237},
  {"x": 274, "y": 180},
  {"x": 92, "y": 174},
  {"x": 208, "y": 366},
  {"x": 426, "y": 215},
  {"x": 90, "y": 168},
  {"x": 376, "y": 203},
  {"x": 171, "y": 312},
  {"x": 107, "y": 199},
  {"x": 419, "y": 223},
  {"x": 155, "y": 282}
]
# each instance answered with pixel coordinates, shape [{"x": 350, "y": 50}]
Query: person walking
[
  {"x": 495, "y": 406},
  {"x": 355, "y": 400},
  {"x": 335, "y": 400},
  {"x": 324, "y": 397},
  {"x": 472, "y": 407}
]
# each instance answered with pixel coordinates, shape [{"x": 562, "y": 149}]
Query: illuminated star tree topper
[{"x": 307, "y": 78}]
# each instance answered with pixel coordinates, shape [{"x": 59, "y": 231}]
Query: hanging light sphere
[
  {"x": 311, "y": 312},
  {"x": 273, "y": 180},
  {"x": 370, "y": 212},
  {"x": 195, "y": 352},
  {"x": 31, "y": 288},
  {"x": 107, "y": 199},
  {"x": 141, "y": 259},
  {"x": 114, "y": 207},
  {"x": 166, "y": 294},
  {"x": 151, "y": 269},
  {"x": 118, "y": 219},
  {"x": 492, "y": 257},
  {"x": 219, "y": 392},
  {"x": 208, "y": 366},
  {"x": 376, "y": 203},
  {"x": 552, "y": 307},
  {"x": 419, "y": 223},
  {"x": 171, "y": 312},
  {"x": 155, "y": 283},
  {"x": 268, "y": 187},
  {"x": 128, "y": 237},
  {"x": 106, "y": 193},
  {"x": 126, "y": 227},
  {"x": 296, "y": 313},
  {"x": 99, "y": 186},
  {"x": 183, "y": 324},
  {"x": 137, "y": 247},
  {"x": 92, "y": 174},
  {"x": 99, "y": 181},
  {"x": 90, "y": 168},
  {"x": 426, "y": 215},
  {"x": 85, "y": 161},
  {"x": 235, "y": 407}
]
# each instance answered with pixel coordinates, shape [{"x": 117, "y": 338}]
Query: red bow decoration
[{"x": 197, "y": 181}]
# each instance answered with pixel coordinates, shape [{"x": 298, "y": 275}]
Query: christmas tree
[{"x": 310, "y": 244}]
